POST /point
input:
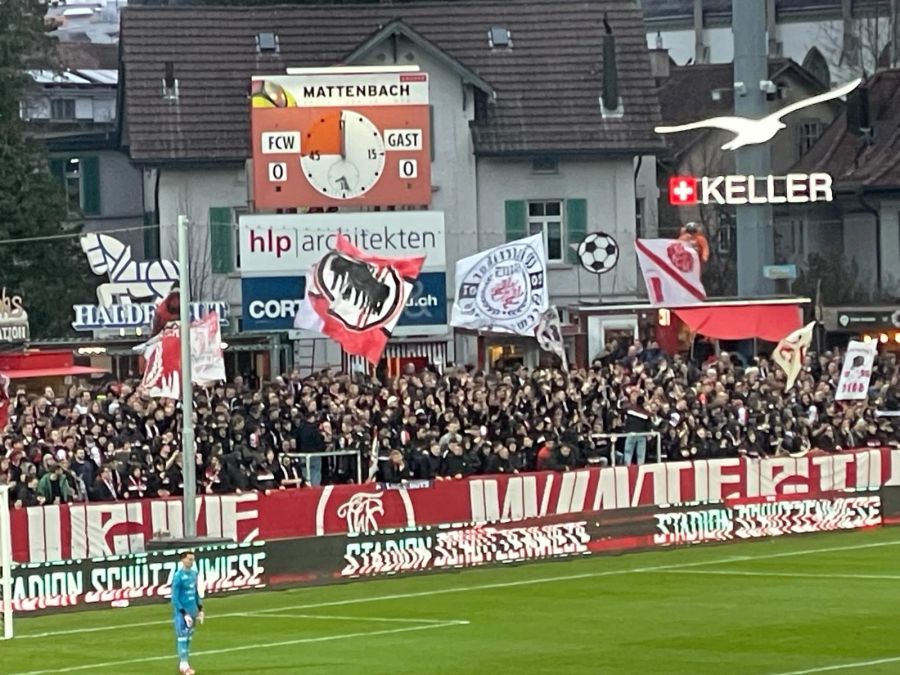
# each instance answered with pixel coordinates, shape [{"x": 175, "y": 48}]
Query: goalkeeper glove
[
  {"x": 188, "y": 620},
  {"x": 201, "y": 616}
]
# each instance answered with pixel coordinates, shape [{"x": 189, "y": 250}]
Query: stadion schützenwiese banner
[
  {"x": 434, "y": 548},
  {"x": 92, "y": 530},
  {"x": 134, "y": 577}
]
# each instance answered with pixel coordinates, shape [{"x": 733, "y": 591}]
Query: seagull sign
[{"x": 748, "y": 131}]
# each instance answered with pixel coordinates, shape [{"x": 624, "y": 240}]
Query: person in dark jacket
[
  {"x": 562, "y": 459},
  {"x": 396, "y": 470},
  {"x": 428, "y": 463},
  {"x": 310, "y": 439},
  {"x": 499, "y": 461},
  {"x": 454, "y": 464},
  {"x": 104, "y": 488}
]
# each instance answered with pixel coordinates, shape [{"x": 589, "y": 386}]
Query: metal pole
[
  {"x": 755, "y": 234},
  {"x": 189, "y": 470}
]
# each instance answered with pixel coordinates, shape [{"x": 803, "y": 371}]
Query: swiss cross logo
[{"x": 682, "y": 190}]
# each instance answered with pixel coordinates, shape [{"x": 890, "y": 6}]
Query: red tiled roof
[{"x": 853, "y": 161}]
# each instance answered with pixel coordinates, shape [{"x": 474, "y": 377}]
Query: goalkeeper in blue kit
[{"x": 186, "y": 608}]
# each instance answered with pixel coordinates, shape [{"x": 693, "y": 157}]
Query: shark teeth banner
[{"x": 356, "y": 298}]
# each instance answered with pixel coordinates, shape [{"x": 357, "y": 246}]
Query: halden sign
[
  {"x": 128, "y": 300},
  {"x": 13, "y": 319}
]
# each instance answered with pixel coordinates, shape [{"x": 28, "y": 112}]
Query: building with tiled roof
[
  {"x": 522, "y": 141},
  {"x": 833, "y": 38},
  {"x": 861, "y": 151}
]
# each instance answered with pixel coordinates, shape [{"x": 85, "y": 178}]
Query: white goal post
[{"x": 6, "y": 613}]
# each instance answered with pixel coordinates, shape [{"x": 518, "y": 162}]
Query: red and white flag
[
  {"x": 671, "y": 270},
  {"x": 356, "y": 299},
  {"x": 162, "y": 372},
  {"x": 791, "y": 352}
]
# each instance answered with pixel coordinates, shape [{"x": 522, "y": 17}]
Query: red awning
[
  {"x": 25, "y": 373},
  {"x": 770, "y": 322}
]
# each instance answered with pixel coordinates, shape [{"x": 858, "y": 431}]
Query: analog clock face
[{"x": 343, "y": 154}]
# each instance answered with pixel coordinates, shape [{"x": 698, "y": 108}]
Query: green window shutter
[
  {"x": 58, "y": 170},
  {"x": 576, "y": 226},
  {"x": 431, "y": 130},
  {"x": 90, "y": 185},
  {"x": 151, "y": 237},
  {"x": 516, "y": 226},
  {"x": 221, "y": 237}
]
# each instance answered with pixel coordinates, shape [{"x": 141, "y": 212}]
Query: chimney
[
  {"x": 858, "y": 122},
  {"x": 609, "y": 98},
  {"x": 659, "y": 63}
]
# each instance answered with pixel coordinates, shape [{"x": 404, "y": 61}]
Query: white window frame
[
  {"x": 72, "y": 184},
  {"x": 806, "y": 140},
  {"x": 62, "y": 103},
  {"x": 236, "y": 214},
  {"x": 543, "y": 220}
]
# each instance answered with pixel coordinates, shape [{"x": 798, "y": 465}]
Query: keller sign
[{"x": 794, "y": 188}]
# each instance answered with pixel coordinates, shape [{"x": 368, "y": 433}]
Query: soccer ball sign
[{"x": 598, "y": 253}]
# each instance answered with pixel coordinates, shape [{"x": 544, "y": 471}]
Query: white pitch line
[
  {"x": 242, "y": 648},
  {"x": 478, "y": 587},
  {"x": 791, "y": 575},
  {"x": 374, "y": 619},
  {"x": 843, "y": 666}
]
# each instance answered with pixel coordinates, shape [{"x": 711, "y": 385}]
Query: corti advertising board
[
  {"x": 324, "y": 139},
  {"x": 289, "y": 244},
  {"x": 271, "y": 303}
]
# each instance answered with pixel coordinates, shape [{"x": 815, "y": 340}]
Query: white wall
[
  {"x": 608, "y": 187},
  {"x": 859, "y": 245},
  {"x": 890, "y": 244},
  {"x": 192, "y": 192},
  {"x": 453, "y": 169},
  {"x": 646, "y": 188}
]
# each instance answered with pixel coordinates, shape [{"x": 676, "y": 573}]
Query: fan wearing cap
[{"x": 693, "y": 235}]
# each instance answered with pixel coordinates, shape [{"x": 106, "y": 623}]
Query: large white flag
[
  {"x": 857, "y": 371},
  {"x": 549, "y": 335},
  {"x": 503, "y": 289},
  {"x": 162, "y": 372},
  {"x": 671, "y": 270},
  {"x": 791, "y": 352}
]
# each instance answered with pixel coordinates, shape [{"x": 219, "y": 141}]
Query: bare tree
[
  {"x": 863, "y": 43},
  {"x": 204, "y": 285}
]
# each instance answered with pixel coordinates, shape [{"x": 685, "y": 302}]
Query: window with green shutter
[
  {"x": 576, "y": 226},
  {"x": 221, "y": 237},
  {"x": 90, "y": 185},
  {"x": 151, "y": 237},
  {"x": 431, "y": 130},
  {"x": 516, "y": 220}
]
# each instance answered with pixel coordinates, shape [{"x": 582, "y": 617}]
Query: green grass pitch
[{"x": 801, "y": 605}]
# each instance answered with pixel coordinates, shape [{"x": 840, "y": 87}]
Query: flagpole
[{"x": 189, "y": 462}]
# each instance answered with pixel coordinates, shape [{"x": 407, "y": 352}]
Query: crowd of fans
[{"x": 114, "y": 443}]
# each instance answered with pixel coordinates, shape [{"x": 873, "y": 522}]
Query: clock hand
[{"x": 343, "y": 126}]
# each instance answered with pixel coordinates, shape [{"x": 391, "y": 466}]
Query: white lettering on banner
[
  {"x": 60, "y": 532},
  {"x": 280, "y": 142},
  {"x": 121, "y": 528},
  {"x": 403, "y": 139},
  {"x": 735, "y": 190},
  {"x": 290, "y": 244},
  {"x": 98, "y": 317},
  {"x": 131, "y": 577},
  {"x": 274, "y": 309},
  {"x": 352, "y": 89}
]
